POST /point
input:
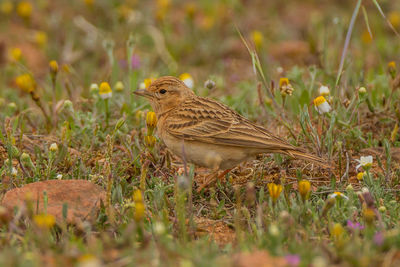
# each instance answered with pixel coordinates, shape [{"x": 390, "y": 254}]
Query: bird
[{"x": 208, "y": 133}]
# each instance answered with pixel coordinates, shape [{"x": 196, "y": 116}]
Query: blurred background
[{"x": 112, "y": 40}]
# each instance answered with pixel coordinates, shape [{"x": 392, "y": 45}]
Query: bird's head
[{"x": 165, "y": 93}]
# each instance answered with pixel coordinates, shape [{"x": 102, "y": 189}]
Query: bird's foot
[{"x": 212, "y": 178}]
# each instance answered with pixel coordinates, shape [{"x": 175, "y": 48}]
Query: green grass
[{"x": 98, "y": 139}]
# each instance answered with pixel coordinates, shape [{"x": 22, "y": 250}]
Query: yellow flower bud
[
  {"x": 40, "y": 38},
  {"x": 119, "y": 86},
  {"x": 15, "y": 54},
  {"x": 53, "y": 67},
  {"x": 337, "y": 232},
  {"x": 137, "y": 196},
  {"x": 151, "y": 122},
  {"x": 150, "y": 141},
  {"x": 360, "y": 176},
  {"x": 274, "y": 191},
  {"x": 6, "y": 7},
  {"x": 139, "y": 211},
  {"x": 53, "y": 147},
  {"x": 26, "y": 83},
  {"x": 44, "y": 221},
  {"x": 258, "y": 39},
  {"x": 392, "y": 69},
  {"x": 368, "y": 215},
  {"x": 304, "y": 189},
  {"x": 24, "y": 9}
]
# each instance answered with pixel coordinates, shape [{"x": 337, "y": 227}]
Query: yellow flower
[
  {"x": 392, "y": 69},
  {"x": 274, "y": 191},
  {"x": 24, "y": 9},
  {"x": 337, "y": 231},
  {"x": 88, "y": 260},
  {"x": 360, "y": 176},
  {"x": 304, "y": 189},
  {"x": 40, "y": 38},
  {"x": 53, "y": 67},
  {"x": 285, "y": 87},
  {"x": 207, "y": 22},
  {"x": 258, "y": 38},
  {"x": 190, "y": 9},
  {"x": 105, "y": 91},
  {"x": 187, "y": 79},
  {"x": 146, "y": 83},
  {"x": 89, "y": 2},
  {"x": 137, "y": 196},
  {"x": 368, "y": 215},
  {"x": 338, "y": 195},
  {"x": 26, "y": 83},
  {"x": 119, "y": 86},
  {"x": 151, "y": 122},
  {"x": 139, "y": 205},
  {"x": 6, "y": 7},
  {"x": 15, "y": 54},
  {"x": 139, "y": 211},
  {"x": 150, "y": 141},
  {"x": 124, "y": 12},
  {"x": 394, "y": 18},
  {"x": 44, "y": 221},
  {"x": 321, "y": 105},
  {"x": 162, "y": 8},
  {"x": 366, "y": 37}
]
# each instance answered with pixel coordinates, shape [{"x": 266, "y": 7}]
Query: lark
[{"x": 207, "y": 133}]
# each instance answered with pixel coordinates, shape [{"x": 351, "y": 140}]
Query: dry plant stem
[
  {"x": 143, "y": 174},
  {"x": 54, "y": 104},
  {"x": 347, "y": 41},
  {"x": 346, "y": 173},
  {"x": 39, "y": 104}
]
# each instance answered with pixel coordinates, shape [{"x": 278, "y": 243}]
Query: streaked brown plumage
[{"x": 209, "y": 133}]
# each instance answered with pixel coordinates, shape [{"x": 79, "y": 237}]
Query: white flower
[
  {"x": 362, "y": 90},
  {"x": 187, "y": 80},
  {"x": 159, "y": 228},
  {"x": 106, "y": 95},
  {"x": 338, "y": 195},
  {"x": 324, "y": 90},
  {"x": 53, "y": 147},
  {"x": 59, "y": 176},
  {"x": 365, "y": 162},
  {"x": 321, "y": 105},
  {"x": 14, "y": 172},
  {"x": 94, "y": 87}
]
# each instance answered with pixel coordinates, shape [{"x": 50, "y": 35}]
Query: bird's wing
[{"x": 205, "y": 120}]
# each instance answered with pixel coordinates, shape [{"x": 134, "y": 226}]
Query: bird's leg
[{"x": 212, "y": 178}]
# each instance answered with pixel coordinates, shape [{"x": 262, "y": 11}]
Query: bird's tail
[{"x": 306, "y": 156}]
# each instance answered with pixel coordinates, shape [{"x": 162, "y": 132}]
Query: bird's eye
[{"x": 163, "y": 91}]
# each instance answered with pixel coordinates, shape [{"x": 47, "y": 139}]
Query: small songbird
[{"x": 208, "y": 133}]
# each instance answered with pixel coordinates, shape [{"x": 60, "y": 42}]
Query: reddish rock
[{"x": 82, "y": 197}]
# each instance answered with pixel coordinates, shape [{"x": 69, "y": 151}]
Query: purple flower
[
  {"x": 379, "y": 238},
  {"x": 292, "y": 260},
  {"x": 354, "y": 225},
  {"x": 135, "y": 61}
]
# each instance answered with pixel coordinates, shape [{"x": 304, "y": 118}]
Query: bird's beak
[{"x": 143, "y": 92}]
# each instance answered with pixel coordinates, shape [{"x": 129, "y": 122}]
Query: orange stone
[{"x": 81, "y": 197}]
